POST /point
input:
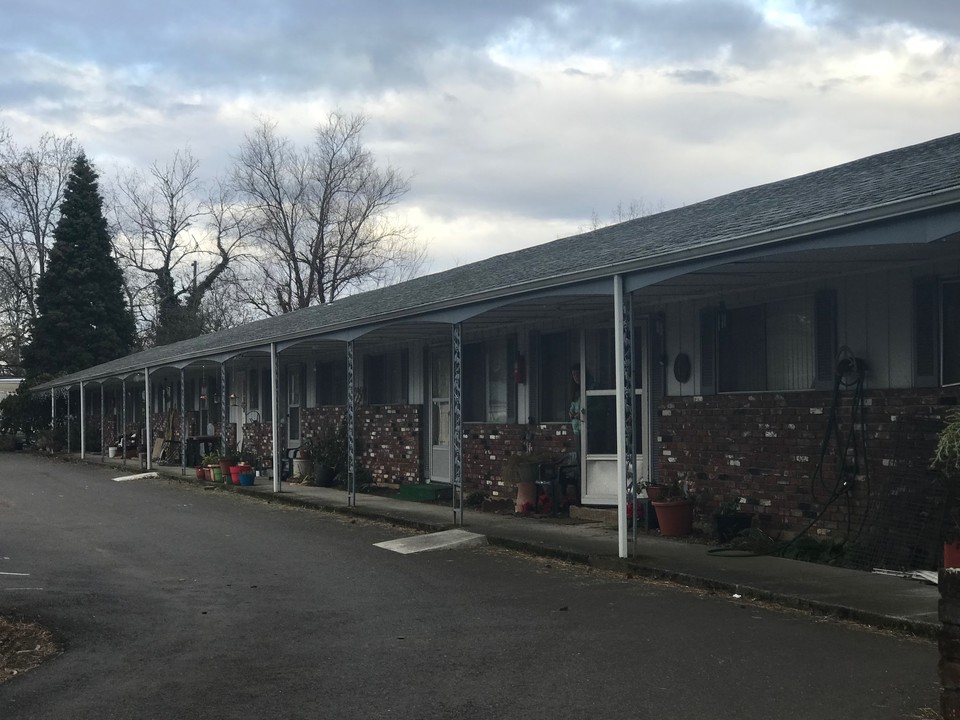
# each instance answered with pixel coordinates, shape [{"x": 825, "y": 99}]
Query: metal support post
[
  {"x": 275, "y": 400},
  {"x": 351, "y": 440},
  {"x": 68, "y": 419},
  {"x": 123, "y": 421},
  {"x": 457, "y": 422},
  {"x": 621, "y": 417},
  {"x": 103, "y": 427},
  {"x": 224, "y": 408},
  {"x": 148, "y": 442},
  {"x": 183, "y": 424},
  {"x": 83, "y": 424}
]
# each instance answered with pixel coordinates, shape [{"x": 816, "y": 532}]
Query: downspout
[
  {"x": 621, "y": 417},
  {"x": 275, "y": 401}
]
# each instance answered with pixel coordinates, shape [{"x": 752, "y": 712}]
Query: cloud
[{"x": 516, "y": 119}]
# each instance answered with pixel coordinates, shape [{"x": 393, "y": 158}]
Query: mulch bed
[{"x": 23, "y": 646}]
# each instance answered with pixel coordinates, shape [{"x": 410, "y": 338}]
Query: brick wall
[
  {"x": 258, "y": 439},
  {"x": 486, "y": 445},
  {"x": 765, "y": 448}
]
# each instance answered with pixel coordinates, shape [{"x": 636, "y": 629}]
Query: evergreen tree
[{"x": 82, "y": 317}]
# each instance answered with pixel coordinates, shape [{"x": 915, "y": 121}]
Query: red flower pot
[
  {"x": 235, "y": 474},
  {"x": 675, "y": 517},
  {"x": 951, "y": 555}
]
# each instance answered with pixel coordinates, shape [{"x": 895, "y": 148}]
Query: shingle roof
[{"x": 825, "y": 196}]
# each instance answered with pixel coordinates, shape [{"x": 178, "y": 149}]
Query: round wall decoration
[{"x": 681, "y": 367}]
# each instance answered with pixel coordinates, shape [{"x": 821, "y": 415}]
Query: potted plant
[
  {"x": 729, "y": 522},
  {"x": 211, "y": 463},
  {"x": 228, "y": 466},
  {"x": 328, "y": 453},
  {"x": 946, "y": 459},
  {"x": 674, "y": 511},
  {"x": 523, "y": 469}
]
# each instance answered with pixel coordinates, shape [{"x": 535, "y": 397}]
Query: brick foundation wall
[
  {"x": 388, "y": 438},
  {"x": 765, "y": 448},
  {"x": 487, "y": 445},
  {"x": 258, "y": 439}
]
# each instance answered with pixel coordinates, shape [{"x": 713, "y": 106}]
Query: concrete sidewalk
[{"x": 878, "y": 600}]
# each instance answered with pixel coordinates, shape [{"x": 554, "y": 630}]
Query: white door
[
  {"x": 294, "y": 400},
  {"x": 599, "y": 400},
  {"x": 440, "y": 384}
]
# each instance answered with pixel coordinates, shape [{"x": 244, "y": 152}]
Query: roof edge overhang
[{"x": 713, "y": 249}]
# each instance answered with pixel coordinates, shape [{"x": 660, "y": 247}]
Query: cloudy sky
[{"x": 516, "y": 119}]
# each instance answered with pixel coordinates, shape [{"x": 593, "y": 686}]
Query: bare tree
[
  {"x": 32, "y": 183},
  {"x": 635, "y": 209},
  {"x": 177, "y": 240},
  {"x": 323, "y": 216}
]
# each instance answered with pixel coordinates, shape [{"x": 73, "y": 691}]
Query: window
[
  {"x": 332, "y": 383},
  {"x": 386, "y": 378},
  {"x": 253, "y": 399},
  {"x": 936, "y": 332},
  {"x": 489, "y": 387},
  {"x": 296, "y": 376},
  {"x": 779, "y": 346},
  {"x": 266, "y": 383},
  {"x": 950, "y": 332},
  {"x": 557, "y": 353}
]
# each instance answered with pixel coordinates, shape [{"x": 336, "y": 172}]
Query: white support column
[
  {"x": 621, "y": 418},
  {"x": 146, "y": 412},
  {"x": 275, "y": 404},
  {"x": 103, "y": 427},
  {"x": 123, "y": 420},
  {"x": 83, "y": 424},
  {"x": 53, "y": 408}
]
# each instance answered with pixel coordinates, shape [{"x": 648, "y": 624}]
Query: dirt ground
[{"x": 23, "y": 646}]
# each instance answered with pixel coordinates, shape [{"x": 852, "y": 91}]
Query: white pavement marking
[
  {"x": 139, "y": 476},
  {"x": 444, "y": 540},
  {"x": 18, "y": 574}
]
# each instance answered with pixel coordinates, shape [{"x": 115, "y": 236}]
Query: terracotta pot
[
  {"x": 201, "y": 475},
  {"x": 951, "y": 554},
  {"x": 675, "y": 517},
  {"x": 234, "y": 471},
  {"x": 655, "y": 492}
]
